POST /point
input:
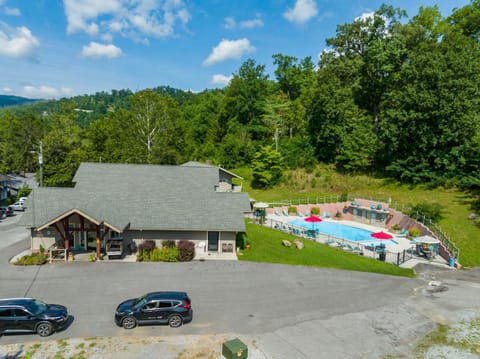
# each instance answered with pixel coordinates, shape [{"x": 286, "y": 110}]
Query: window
[
  {"x": 20, "y": 313},
  {"x": 151, "y": 305},
  {"x": 165, "y": 304},
  {"x": 5, "y": 313}
]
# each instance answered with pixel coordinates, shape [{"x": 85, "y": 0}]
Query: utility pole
[{"x": 40, "y": 162}]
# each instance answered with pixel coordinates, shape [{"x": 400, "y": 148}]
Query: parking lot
[{"x": 288, "y": 311}]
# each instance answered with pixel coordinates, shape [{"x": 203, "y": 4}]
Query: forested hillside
[
  {"x": 393, "y": 96},
  {"x": 9, "y": 100}
]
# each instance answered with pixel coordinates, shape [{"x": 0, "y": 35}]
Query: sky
[{"x": 55, "y": 48}]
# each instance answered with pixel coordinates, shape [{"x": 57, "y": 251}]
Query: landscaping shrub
[
  {"x": 169, "y": 243},
  {"x": 159, "y": 254},
  {"x": 186, "y": 250},
  {"x": 144, "y": 250},
  {"x": 432, "y": 211},
  {"x": 414, "y": 232},
  {"x": 241, "y": 240},
  {"x": 315, "y": 211},
  {"x": 292, "y": 210},
  {"x": 32, "y": 259}
]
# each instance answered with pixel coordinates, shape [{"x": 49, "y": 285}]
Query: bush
[
  {"x": 292, "y": 210},
  {"x": 396, "y": 227},
  {"x": 144, "y": 250},
  {"x": 432, "y": 211},
  {"x": 414, "y": 232},
  {"x": 186, "y": 251},
  {"x": 241, "y": 240},
  {"x": 315, "y": 211},
  {"x": 32, "y": 259},
  {"x": 169, "y": 243},
  {"x": 147, "y": 245},
  {"x": 163, "y": 254}
]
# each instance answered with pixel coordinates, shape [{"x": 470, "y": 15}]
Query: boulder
[
  {"x": 286, "y": 243},
  {"x": 299, "y": 244}
]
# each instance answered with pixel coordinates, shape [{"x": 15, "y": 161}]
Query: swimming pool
[{"x": 339, "y": 230}]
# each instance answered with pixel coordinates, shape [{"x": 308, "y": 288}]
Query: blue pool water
[{"x": 338, "y": 230}]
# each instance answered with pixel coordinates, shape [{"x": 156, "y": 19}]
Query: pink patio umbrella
[
  {"x": 381, "y": 235},
  {"x": 313, "y": 220}
]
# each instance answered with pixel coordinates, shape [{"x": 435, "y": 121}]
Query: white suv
[{"x": 18, "y": 206}]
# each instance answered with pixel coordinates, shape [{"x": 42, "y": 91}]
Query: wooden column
[{"x": 98, "y": 241}]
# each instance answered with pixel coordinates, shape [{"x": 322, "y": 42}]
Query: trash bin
[
  {"x": 382, "y": 256},
  {"x": 451, "y": 262},
  {"x": 234, "y": 349}
]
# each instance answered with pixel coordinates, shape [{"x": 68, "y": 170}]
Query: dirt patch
[{"x": 180, "y": 347}]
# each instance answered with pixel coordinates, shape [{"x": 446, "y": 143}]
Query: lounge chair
[
  {"x": 300, "y": 214},
  {"x": 277, "y": 213},
  {"x": 285, "y": 212},
  {"x": 403, "y": 233},
  {"x": 379, "y": 207},
  {"x": 307, "y": 213},
  {"x": 330, "y": 242}
]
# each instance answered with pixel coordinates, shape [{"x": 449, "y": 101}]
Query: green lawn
[
  {"x": 266, "y": 246},
  {"x": 324, "y": 181}
]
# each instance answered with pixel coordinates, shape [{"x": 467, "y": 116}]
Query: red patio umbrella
[
  {"x": 381, "y": 235},
  {"x": 313, "y": 220}
]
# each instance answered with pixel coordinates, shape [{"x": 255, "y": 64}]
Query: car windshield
[
  {"x": 37, "y": 306},
  {"x": 140, "y": 301}
]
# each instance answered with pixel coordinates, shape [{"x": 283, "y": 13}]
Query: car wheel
[
  {"x": 44, "y": 329},
  {"x": 129, "y": 323},
  {"x": 175, "y": 321}
]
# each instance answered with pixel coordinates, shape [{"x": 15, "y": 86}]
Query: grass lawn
[
  {"x": 266, "y": 246},
  {"x": 301, "y": 185}
]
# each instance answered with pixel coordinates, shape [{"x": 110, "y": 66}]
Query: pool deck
[{"x": 401, "y": 246}]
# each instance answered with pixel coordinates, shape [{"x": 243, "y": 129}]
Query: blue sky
[{"x": 55, "y": 48}]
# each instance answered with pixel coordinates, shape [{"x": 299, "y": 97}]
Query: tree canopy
[{"x": 392, "y": 95}]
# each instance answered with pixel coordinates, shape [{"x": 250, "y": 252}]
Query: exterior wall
[
  {"x": 226, "y": 241},
  {"x": 226, "y": 244}
]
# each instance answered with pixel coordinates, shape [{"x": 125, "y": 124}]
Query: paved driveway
[{"x": 287, "y": 311}]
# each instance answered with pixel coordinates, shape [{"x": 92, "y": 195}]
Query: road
[{"x": 289, "y": 311}]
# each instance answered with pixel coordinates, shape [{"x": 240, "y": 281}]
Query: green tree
[{"x": 267, "y": 167}]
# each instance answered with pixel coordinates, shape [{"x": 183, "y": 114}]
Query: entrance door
[{"x": 213, "y": 241}]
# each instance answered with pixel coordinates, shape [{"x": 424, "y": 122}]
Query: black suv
[
  {"x": 26, "y": 315},
  {"x": 173, "y": 308}
]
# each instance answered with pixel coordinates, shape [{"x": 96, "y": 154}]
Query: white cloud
[
  {"x": 132, "y": 19},
  {"x": 96, "y": 50},
  {"x": 250, "y": 24},
  {"x": 18, "y": 42},
  {"x": 303, "y": 11},
  {"x": 231, "y": 23},
  {"x": 7, "y": 90},
  {"x": 229, "y": 49},
  {"x": 44, "y": 92},
  {"x": 12, "y": 11},
  {"x": 220, "y": 79}
]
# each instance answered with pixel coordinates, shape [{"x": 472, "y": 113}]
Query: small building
[{"x": 133, "y": 203}]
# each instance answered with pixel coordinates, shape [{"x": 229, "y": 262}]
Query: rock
[
  {"x": 299, "y": 244},
  {"x": 472, "y": 216},
  {"x": 286, "y": 243}
]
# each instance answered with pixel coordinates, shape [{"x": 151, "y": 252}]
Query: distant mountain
[{"x": 8, "y": 100}]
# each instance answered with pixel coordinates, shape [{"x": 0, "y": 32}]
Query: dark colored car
[
  {"x": 172, "y": 308},
  {"x": 26, "y": 315},
  {"x": 7, "y": 210}
]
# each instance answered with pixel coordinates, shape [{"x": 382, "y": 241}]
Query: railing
[
  {"x": 433, "y": 227},
  {"x": 57, "y": 254},
  {"x": 366, "y": 249}
]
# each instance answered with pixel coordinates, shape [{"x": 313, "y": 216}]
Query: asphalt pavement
[{"x": 280, "y": 311}]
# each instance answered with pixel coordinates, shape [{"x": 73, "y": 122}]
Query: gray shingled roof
[{"x": 147, "y": 197}]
